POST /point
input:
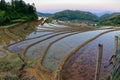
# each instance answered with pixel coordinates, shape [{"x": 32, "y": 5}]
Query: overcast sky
[{"x": 51, "y": 6}]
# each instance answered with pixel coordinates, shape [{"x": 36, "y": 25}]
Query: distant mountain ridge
[
  {"x": 74, "y": 15},
  {"x": 101, "y": 13},
  {"x": 71, "y": 15},
  {"x": 44, "y": 14},
  {"x": 110, "y": 19}
]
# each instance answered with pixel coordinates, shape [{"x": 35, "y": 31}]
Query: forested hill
[
  {"x": 105, "y": 16},
  {"x": 111, "y": 19},
  {"x": 70, "y": 15},
  {"x": 16, "y": 11},
  {"x": 74, "y": 15}
]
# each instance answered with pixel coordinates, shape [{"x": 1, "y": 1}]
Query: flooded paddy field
[
  {"x": 36, "y": 49},
  {"x": 18, "y": 47},
  {"x": 83, "y": 64},
  {"x": 64, "y": 46},
  {"x": 37, "y": 34},
  {"x": 55, "y": 52}
]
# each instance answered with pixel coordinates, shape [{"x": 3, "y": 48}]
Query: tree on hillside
[
  {"x": 74, "y": 15},
  {"x": 114, "y": 20},
  {"x": 17, "y": 9},
  {"x": 3, "y": 5}
]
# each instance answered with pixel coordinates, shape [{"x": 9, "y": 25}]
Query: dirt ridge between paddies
[
  {"x": 38, "y": 36},
  {"x": 10, "y": 25},
  {"x": 24, "y": 51},
  {"x": 21, "y": 23},
  {"x": 10, "y": 35},
  {"x": 30, "y": 39},
  {"x": 60, "y": 67},
  {"x": 44, "y": 73},
  {"x": 47, "y": 48},
  {"x": 59, "y": 33},
  {"x": 44, "y": 70},
  {"x": 36, "y": 67},
  {"x": 56, "y": 74}
]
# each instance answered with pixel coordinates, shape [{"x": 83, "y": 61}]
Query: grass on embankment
[
  {"x": 9, "y": 66},
  {"x": 8, "y": 26},
  {"x": 13, "y": 23}
]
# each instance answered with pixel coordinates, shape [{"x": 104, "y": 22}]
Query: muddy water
[
  {"x": 82, "y": 65},
  {"x": 61, "y": 48}
]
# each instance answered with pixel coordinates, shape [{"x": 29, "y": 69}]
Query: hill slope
[
  {"x": 105, "y": 16},
  {"x": 74, "y": 15},
  {"x": 111, "y": 20}
]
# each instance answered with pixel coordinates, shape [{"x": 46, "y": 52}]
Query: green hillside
[
  {"x": 111, "y": 20},
  {"x": 74, "y": 15},
  {"x": 105, "y": 16},
  {"x": 16, "y": 11}
]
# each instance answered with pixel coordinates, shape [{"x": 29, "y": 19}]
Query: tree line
[
  {"x": 74, "y": 15},
  {"x": 110, "y": 20},
  {"x": 79, "y": 16},
  {"x": 16, "y": 11}
]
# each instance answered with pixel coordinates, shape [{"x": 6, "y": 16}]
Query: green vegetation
[
  {"x": 105, "y": 16},
  {"x": 80, "y": 16},
  {"x": 113, "y": 20},
  {"x": 7, "y": 26},
  {"x": 49, "y": 20},
  {"x": 16, "y": 11},
  {"x": 70, "y": 15},
  {"x": 9, "y": 67},
  {"x": 115, "y": 70}
]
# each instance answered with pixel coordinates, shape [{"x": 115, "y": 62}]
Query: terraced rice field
[
  {"x": 85, "y": 58},
  {"x": 50, "y": 52}
]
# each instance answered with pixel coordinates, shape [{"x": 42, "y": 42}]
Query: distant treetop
[
  {"x": 16, "y": 9},
  {"x": 74, "y": 15}
]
